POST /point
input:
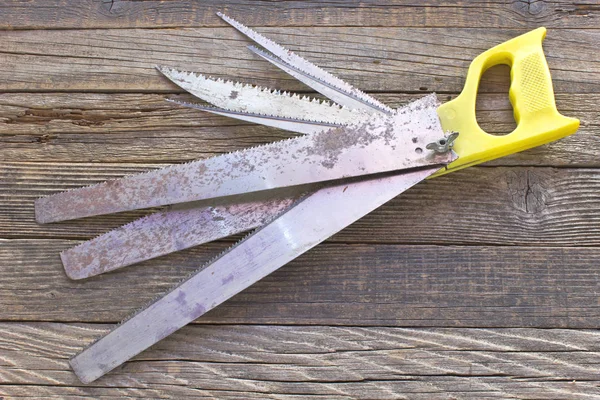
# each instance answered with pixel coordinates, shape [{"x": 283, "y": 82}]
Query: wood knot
[
  {"x": 530, "y": 7},
  {"x": 526, "y": 190}
]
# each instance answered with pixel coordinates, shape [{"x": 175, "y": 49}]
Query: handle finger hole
[{"x": 493, "y": 111}]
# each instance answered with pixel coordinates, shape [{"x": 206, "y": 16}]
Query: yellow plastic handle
[{"x": 531, "y": 95}]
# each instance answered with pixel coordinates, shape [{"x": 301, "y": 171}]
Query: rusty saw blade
[
  {"x": 378, "y": 144},
  {"x": 177, "y": 228},
  {"x": 297, "y": 230}
]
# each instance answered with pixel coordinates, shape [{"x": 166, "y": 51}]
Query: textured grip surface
[
  {"x": 531, "y": 95},
  {"x": 539, "y": 93}
]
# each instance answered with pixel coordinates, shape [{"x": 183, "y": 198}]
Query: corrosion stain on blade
[
  {"x": 173, "y": 230},
  {"x": 378, "y": 144},
  {"x": 235, "y": 96},
  {"x": 329, "y": 210}
]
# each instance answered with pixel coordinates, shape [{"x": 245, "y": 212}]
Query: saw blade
[
  {"x": 301, "y": 227},
  {"x": 297, "y": 125},
  {"x": 241, "y": 97},
  {"x": 309, "y": 73},
  {"x": 183, "y": 226},
  {"x": 330, "y": 91},
  {"x": 376, "y": 145},
  {"x": 175, "y": 229}
]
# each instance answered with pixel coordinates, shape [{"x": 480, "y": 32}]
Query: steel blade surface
[
  {"x": 379, "y": 144},
  {"x": 173, "y": 230},
  {"x": 332, "y": 92},
  {"x": 235, "y": 96},
  {"x": 301, "y": 227},
  {"x": 297, "y": 125}
]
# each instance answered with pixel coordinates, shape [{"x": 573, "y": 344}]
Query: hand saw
[
  {"x": 198, "y": 223},
  {"x": 336, "y": 205}
]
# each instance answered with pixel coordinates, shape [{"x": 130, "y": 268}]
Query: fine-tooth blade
[
  {"x": 301, "y": 227},
  {"x": 236, "y": 96},
  {"x": 309, "y": 69},
  {"x": 379, "y": 144},
  {"x": 330, "y": 91},
  {"x": 289, "y": 124},
  {"x": 178, "y": 228}
]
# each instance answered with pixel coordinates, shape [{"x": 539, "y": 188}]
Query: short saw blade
[
  {"x": 251, "y": 99},
  {"x": 310, "y": 74}
]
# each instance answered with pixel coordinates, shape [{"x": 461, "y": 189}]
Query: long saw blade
[
  {"x": 180, "y": 227},
  {"x": 297, "y": 230},
  {"x": 235, "y": 96},
  {"x": 320, "y": 80},
  {"x": 379, "y": 144},
  {"x": 177, "y": 228}
]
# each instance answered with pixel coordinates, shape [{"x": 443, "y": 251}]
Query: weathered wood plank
[
  {"x": 285, "y": 362},
  {"x": 96, "y": 127},
  {"x": 334, "y": 284},
  {"x": 375, "y": 59},
  {"x": 61, "y": 14},
  {"x": 503, "y": 205}
]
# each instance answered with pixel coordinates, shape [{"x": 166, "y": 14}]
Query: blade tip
[
  {"x": 41, "y": 216},
  {"x": 163, "y": 69},
  {"x": 72, "y": 273},
  {"x": 80, "y": 373}
]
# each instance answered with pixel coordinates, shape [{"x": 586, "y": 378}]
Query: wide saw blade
[
  {"x": 376, "y": 145},
  {"x": 180, "y": 227},
  {"x": 303, "y": 226}
]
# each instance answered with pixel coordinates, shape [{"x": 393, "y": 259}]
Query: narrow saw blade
[
  {"x": 175, "y": 229},
  {"x": 297, "y": 230},
  {"x": 308, "y": 69},
  {"x": 297, "y": 125}
]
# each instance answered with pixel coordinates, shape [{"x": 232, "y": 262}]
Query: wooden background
[{"x": 481, "y": 284}]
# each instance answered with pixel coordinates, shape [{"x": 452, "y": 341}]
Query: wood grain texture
[
  {"x": 479, "y": 285},
  {"x": 135, "y": 128},
  {"x": 290, "y": 362},
  {"x": 500, "y": 206},
  {"x": 62, "y": 14},
  {"x": 333, "y": 284},
  {"x": 372, "y": 59}
]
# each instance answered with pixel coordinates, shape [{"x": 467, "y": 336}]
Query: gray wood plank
[
  {"x": 61, "y": 14},
  {"x": 374, "y": 59},
  {"x": 335, "y": 284},
  {"x": 286, "y": 362},
  {"x": 112, "y": 128},
  {"x": 501, "y": 205}
]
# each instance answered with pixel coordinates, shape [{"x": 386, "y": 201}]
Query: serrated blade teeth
[
  {"x": 297, "y": 125},
  {"x": 173, "y": 230},
  {"x": 239, "y": 97},
  {"x": 355, "y": 96}
]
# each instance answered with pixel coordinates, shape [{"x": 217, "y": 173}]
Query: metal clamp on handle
[{"x": 531, "y": 95}]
